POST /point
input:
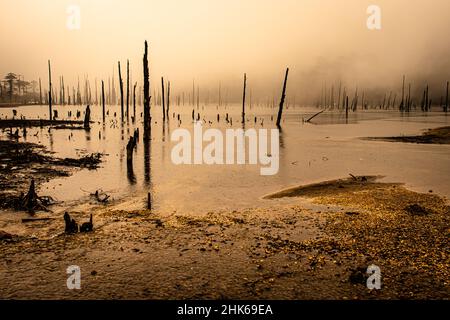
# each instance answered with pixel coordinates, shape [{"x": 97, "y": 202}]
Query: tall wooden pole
[
  {"x": 147, "y": 127},
  {"x": 243, "y": 98},
  {"x": 134, "y": 101},
  {"x": 40, "y": 92},
  {"x": 50, "y": 90},
  {"x": 446, "y": 99},
  {"x": 121, "y": 93},
  {"x": 168, "y": 99},
  {"x": 402, "y": 103},
  {"x": 103, "y": 101},
  {"x": 163, "y": 99},
  {"x": 283, "y": 97},
  {"x": 128, "y": 89}
]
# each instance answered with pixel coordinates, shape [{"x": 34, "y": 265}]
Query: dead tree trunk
[
  {"x": 446, "y": 99},
  {"x": 50, "y": 91},
  {"x": 149, "y": 201},
  {"x": 121, "y": 93},
  {"x": 243, "y": 98},
  {"x": 40, "y": 92},
  {"x": 163, "y": 99},
  {"x": 346, "y": 108},
  {"x": 30, "y": 200},
  {"x": 147, "y": 126},
  {"x": 402, "y": 103},
  {"x": 134, "y": 102},
  {"x": 283, "y": 97},
  {"x": 128, "y": 89},
  {"x": 103, "y": 101},
  {"x": 168, "y": 99},
  {"x": 87, "y": 118}
]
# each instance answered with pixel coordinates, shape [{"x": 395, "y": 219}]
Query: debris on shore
[{"x": 22, "y": 162}]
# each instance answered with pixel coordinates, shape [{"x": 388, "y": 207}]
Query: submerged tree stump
[{"x": 87, "y": 118}]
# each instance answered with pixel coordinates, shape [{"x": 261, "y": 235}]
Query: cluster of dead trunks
[{"x": 72, "y": 225}]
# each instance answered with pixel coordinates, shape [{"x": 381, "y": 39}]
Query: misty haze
[{"x": 238, "y": 150}]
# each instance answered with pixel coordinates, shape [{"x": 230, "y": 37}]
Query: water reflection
[{"x": 303, "y": 146}]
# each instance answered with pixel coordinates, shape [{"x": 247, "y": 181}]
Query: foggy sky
[{"x": 212, "y": 41}]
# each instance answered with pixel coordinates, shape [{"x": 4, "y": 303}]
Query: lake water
[{"x": 327, "y": 149}]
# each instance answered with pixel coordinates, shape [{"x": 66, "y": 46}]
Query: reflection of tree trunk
[
  {"x": 130, "y": 148},
  {"x": 147, "y": 160}
]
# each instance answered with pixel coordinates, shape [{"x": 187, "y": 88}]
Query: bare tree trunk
[
  {"x": 147, "y": 126},
  {"x": 50, "y": 90},
  {"x": 128, "y": 89},
  {"x": 402, "y": 103},
  {"x": 134, "y": 101},
  {"x": 121, "y": 93},
  {"x": 283, "y": 97},
  {"x": 63, "y": 98},
  {"x": 87, "y": 118},
  {"x": 446, "y": 99},
  {"x": 103, "y": 101},
  {"x": 40, "y": 92},
  {"x": 163, "y": 99},
  {"x": 168, "y": 100},
  {"x": 243, "y": 98}
]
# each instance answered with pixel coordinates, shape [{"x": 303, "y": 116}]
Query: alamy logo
[
  {"x": 74, "y": 280},
  {"x": 235, "y": 147},
  {"x": 73, "y": 17},
  {"x": 374, "y": 19},
  {"x": 374, "y": 280}
]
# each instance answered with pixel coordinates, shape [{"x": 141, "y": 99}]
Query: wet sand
[{"x": 284, "y": 252}]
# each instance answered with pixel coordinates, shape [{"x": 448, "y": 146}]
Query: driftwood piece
[
  {"x": 315, "y": 115},
  {"x": 25, "y": 220},
  {"x": 100, "y": 196}
]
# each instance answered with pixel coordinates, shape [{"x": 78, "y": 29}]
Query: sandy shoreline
[{"x": 285, "y": 252}]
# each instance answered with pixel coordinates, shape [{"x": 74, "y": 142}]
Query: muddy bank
[
  {"x": 20, "y": 162},
  {"x": 432, "y": 136},
  {"x": 351, "y": 184},
  {"x": 285, "y": 252},
  {"x": 14, "y": 123}
]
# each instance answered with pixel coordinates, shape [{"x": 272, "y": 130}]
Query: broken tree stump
[{"x": 87, "y": 118}]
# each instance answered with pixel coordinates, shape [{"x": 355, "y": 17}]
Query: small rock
[
  {"x": 93, "y": 273},
  {"x": 416, "y": 210}
]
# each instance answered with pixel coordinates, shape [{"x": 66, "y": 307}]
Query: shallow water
[{"x": 326, "y": 149}]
